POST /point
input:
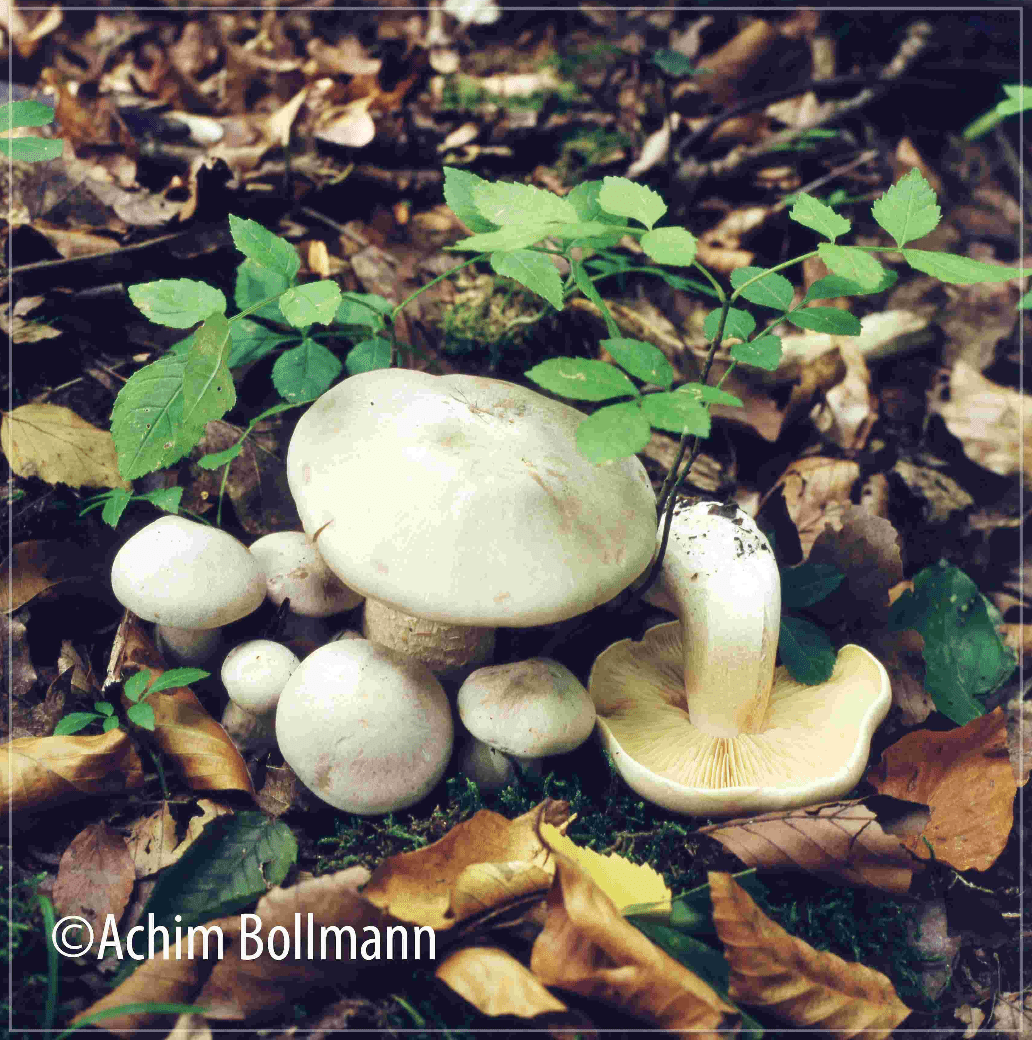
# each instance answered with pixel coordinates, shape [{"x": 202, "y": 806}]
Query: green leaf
[
  {"x": 515, "y": 237},
  {"x": 695, "y": 955},
  {"x": 583, "y": 282},
  {"x": 177, "y": 677},
  {"x": 109, "y": 725},
  {"x": 642, "y": 360},
  {"x": 114, "y": 506},
  {"x": 167, "y": 499},
  {"x": 814, "y": 214},
  {"x": 74, "y": 722},
  {"x": 104, "y": 708},
  {"x": 218, "y": 459},
  {"x": 177, "y": 302},
  {"x": 739, "y": 325},
  {"x": 833, "y": 285},
  {"x": 854, "y": 265},
  {"x": 507, "y": 204},
  {"x": 313, "y": 302},
  {"x": 254, "y": 284},
  {"x": 208, "y": 390},
  {"x": 826, "y": 319},
  {"x": 267, "y": 250},
  {"x": 31, "y": 149},
  {"x": 305, "y": 371},
  {"x": 908, "y": 210},
  {"x": 147, "y": 415},
  {"x": 366, "y": 310},
  {"x": 808, "y": 583},
  {"x": 1025, "y": 303},
  {"x": 581, "y": 379},
  {"x": 232, "y": 863},
  {"x": 674, "y": 63},
  {"x": 613, "y": 432},
  {"x": 763, "y": 352},
  {"x": 806, "y": 651},
  {"x": 670, "y": 245},
  {"x": 25, "y": 113},
  {"x": 964, "y": 655},
  {"x": 592, "y": 232},
  {"x": 626, "y": 198},
  {"x": 679, "y": 413},
  {"x": 710, "y": 395},
  {"x": 368, "y": 355},
  {"x": 584, "y": 199},
  {"x": 1019, "y": 99},
  {"x": 773, "y": 290},
  {"x": 958, "y": 270},
  {"x": 250, "y": 341},
  {"x": 136, "y": 684},
  {"x": 141, "y": 715},
  {"x": 458, "y": 194},
  {"x": 534, "y": 271}
]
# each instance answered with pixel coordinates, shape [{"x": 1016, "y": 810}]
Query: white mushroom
[
  {"x": 695, "y": 716},
  {"x": 294, "y": 570},
  {"x": 188, "y": 578},
  {"x": 463, "y": 501},
  {"x": 254, "y": 675},
  {"x": 367, "y": 729}
]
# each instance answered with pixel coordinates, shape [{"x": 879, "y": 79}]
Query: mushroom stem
[
  {"x": 188, "y": 646},
  {"x": 720, "y": 576}
]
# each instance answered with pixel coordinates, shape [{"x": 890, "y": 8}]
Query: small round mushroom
[
  {"x": 366, "y": 728},
  {"x": 294, "y": 570},
  {"x": 254, "y": 675},
  {"x": 526, "y": 711},
  {"x": 188, "y": 578}
]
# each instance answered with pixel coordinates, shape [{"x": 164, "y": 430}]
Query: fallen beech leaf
[
  {"x": 34, "y": 567},
  {"x": 82, "y": 677},
  {"x": 964, "y": 776},
  {"x": 792, "y": 981},
  {"x": 817, "y": 492},
  {"x": 589, "y": 948},
  {"x": 495, "y": 983},
  {"x": 54, "y": 444},
  {"x": 152, "y": 841},
  {"x": 418, "y": 886},
  {"x": 1012, "y": 1013},
  {"x": 483, "y": 886},
  {"x": 626, "y": 883},
  {"x": 41, "y": 772},
  {"x": 95, "y": 877},
  {"x": 840, "y": 841}
]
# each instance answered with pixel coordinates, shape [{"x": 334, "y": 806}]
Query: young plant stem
[{"x": 46, "y": 908}]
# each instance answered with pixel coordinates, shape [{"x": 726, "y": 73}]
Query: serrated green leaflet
[
  {"x": 709, "y": 394},
  {"x": 806, "y": 651},
  {"x": 670, "y": 245},
  {"x": 507, "y": 204},
  {"x": 673, "y": 63},
  {"x": 826, "y": 319},
  {"x": 814, "y": 214},
  {"x": 146, "y": 416},
  {"x": 305, "y": 372},
  {"x": 313, "y": 302},
  {"x": 177, "y": 302},
  {"x": 854, "y": 265},
  {"x": 534, "y": 271},
  {"x": 763, "y": 352},
  {"x": 584, "y": 199},
  {"x": 517, "y": 237},
  {"x": 583, "y": 282},
  {"x": 31, "y": 149},
  {"x": 208, "y": 390},
  {"x": 267, "y": 250},
  {"x": 368, "y": 355},
  {"x": 458, "y": 194},
  {"x": 250, "y": 342},
  {"x": 581, "y": 379},
  {"x": 908, "y": 210},
  {"x": 958, "y": 270},
  {"x": 363, "y": 309},
  {"x": 772, "y": 290},
  {"x": 833, "y": 285},
  {"x": 626, "y": 198},
  {"x": 808, "y": 583},
  {"x": 642, "y": 360},
  {"x": 25, "y": 113},
  {"x": 739, "y": 325},
  {"x": 254, "y": 284},
  {"x": 219, "y": 458},
  {"x": 613, "y": 432},
  {"x": 677, "y": 412}
]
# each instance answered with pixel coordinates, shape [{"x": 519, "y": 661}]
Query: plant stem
[{"x": 53, "y": 962}]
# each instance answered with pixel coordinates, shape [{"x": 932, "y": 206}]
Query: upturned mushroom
[
  {"x": 696, "y": 717},
  {"x": 190, "y": 579},
  {"x": 254, "y": 674},
  {"x": 462, "y": 503}
]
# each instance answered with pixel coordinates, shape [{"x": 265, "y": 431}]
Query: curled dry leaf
[
  {"x": 54, "y": 444},
  {"x": 1019, "y": 739},
  {"x": 817, "y": 492},
  {"x": 41, "y": 772},
  {"x": 154, "y": 842},
  {"x": 587, "y": 947},
  {"x": 95, "y": 877},
  {"x": 495, "y": 983},
  {"x": 35, "y": 567},
  {"x": 423, "y": 886},
  {"x": 792, "y": 981},
  {"x": 964, "y": 776},
  {"x": 840, "y": 841}
]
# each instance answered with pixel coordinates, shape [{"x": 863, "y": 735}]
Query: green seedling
[
  {"x": 1018, "y": 99},
  {"x": 17, "y": 114},
  {"x": 112, "y": 503}
]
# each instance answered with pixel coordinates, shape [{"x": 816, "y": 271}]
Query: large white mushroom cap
[
  {"x": 295, "y": 570},
  {"x": 465, "y": 500}
]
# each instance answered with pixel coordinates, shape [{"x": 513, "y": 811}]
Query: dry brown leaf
[
  {"x": 152, "y": 841},
  {"x": 1019, "y": 739},
  {"x": 54, "y": 444},
  {"x": 16, "y": 661},
  {"x": 484, "y": 886},
  {"x": 1012, "y": 1013},
  {"x": 817, "y": 492},
  {"x": 964, "y": 776},
  {"x": 849, "y": 408},
  {"x": 95, "y": 877},
  {"x": 495, "y": 983},
  {"x": 34, "y": 567},
  {"x": 41, "y": 772},
  {"x": 840, "y": 841},
  {"x": 82, "y": 677},
  {"x": 280, "y": 790},
  {"x": 901, "y": 653},
  {"x": 418, "y": 886},
  {"x": 792, "y": 981},
  {"x": 587, "y": 947}
]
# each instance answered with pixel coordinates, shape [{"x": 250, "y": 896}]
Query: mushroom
[
  {"x": 463, "y": 501},
  {"x": 366, "y": 728},
  {"x": 254, "y": 674},
  {"x": 189, "y": 579},
  {"x": 294, "y": 570},
  {"x": 524, "y": 711},
  {"x": 695, "y": 716}
]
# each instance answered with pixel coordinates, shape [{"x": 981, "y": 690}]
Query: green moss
[{"x": 22, "y": 950}]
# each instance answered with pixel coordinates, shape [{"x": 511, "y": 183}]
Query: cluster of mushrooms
[{"x": 453, "y": 505}]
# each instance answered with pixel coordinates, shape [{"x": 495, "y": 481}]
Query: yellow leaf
[
  {"x": 54, "y": 444},
  {"x": 626, "y": 883}
]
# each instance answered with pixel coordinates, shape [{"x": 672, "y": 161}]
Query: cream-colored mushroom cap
[
  {"x": 530, "y": 709},
  {"x": 812, "y": 744},
  {"x": 185, "y": 574},
  {"x": 255, "y": 672},
  {"x": 465, "y": 500},
  {"x": 295, "y": 570},
  {"x": 365, "y": 728}
]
